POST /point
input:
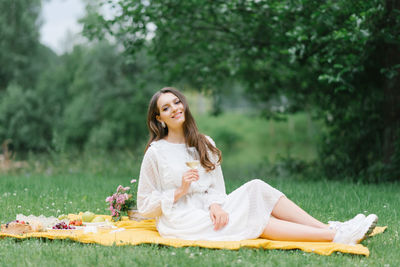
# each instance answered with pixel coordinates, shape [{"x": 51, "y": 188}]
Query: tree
[
  {"x": 90, "y": 98},
  {"x": 22, "y": 57},
  {"x": 104, "y": 98},
  {"x": 338, "y": 58}
]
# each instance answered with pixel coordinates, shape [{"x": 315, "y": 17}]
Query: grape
[{"x": 62, "y": 226}]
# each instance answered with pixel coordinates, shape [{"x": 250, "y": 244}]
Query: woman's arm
[
  {"x": 216, "y": 197},
  {"x": 151, "y": 200},
  {"x": 216, "y": 193}
]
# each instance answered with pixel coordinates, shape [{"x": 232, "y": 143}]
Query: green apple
[
  {"x": 62, "y": 217},
  {"x": 98, "y": 219},
  {"x": 88, "y": 216}
]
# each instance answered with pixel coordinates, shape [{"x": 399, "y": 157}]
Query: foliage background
[
  {"x": 294, "y": 92},
  {"x": 337, "y": 63}
]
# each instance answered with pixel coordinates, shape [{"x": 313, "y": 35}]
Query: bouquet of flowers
[{"x": 121, "y": 201}]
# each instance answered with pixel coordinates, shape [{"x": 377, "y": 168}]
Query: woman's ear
[
  {"x": 161, "y": 122},
  {"x": 158, "y": 118}
]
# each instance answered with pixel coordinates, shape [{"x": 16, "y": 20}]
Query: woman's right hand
[{"x": 188, "y": 177}]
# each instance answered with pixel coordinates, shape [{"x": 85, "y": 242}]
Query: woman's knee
[{"x": 257, "y": 183}]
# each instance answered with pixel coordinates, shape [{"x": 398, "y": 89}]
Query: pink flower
[
  {"x": 118, "y": 207},
  {"x": 121, "y": 199}
]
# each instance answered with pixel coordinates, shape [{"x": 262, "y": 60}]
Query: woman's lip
[{"x": 177, "y": 116}]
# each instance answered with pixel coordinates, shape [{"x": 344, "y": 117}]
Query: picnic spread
[{"x": 102, "y": 230}]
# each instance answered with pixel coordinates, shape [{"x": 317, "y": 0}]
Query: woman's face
[{"x": 172, "y": 111}]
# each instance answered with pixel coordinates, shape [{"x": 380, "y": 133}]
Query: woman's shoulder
[
  {"x": 210, "y": 140},
  {"x": 151, "y": 152},
  {"x": 157, "y": 146},
  {"x": 154, "y": 146}
]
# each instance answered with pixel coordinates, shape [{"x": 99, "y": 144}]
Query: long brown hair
[{"x": 193, "y": 138}]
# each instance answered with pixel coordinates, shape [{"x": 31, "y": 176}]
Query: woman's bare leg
[
  {"x": 287, "y": 210},
  {"x": 289, "y": 231}
]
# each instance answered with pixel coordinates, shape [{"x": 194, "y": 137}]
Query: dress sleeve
[
  {"x": 216, "y": 192},
  {"x": 152, "y": 201}
]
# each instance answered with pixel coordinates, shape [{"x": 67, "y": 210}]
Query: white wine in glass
[{"x": 193, "y": 164}]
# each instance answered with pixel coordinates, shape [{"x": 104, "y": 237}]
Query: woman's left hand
[{"x": 219, "y": 217}]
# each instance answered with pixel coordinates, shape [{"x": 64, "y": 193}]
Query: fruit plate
[
  {"x": 76, "y": 228},
  {"x": 97, "y": 224}
]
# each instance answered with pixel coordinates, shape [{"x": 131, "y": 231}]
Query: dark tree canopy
[
  {"x": 339, "y": 59},
  {"x": 22, "y": 57}
]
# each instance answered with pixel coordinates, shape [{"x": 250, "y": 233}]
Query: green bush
[
  {"x": 24, "y": 119},
  {"x": 90, "y": 98}
]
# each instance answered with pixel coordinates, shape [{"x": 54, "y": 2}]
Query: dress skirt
[{"x": 249, "y": 208}]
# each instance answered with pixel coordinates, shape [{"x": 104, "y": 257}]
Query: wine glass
[{"x": 193, "y": 158}]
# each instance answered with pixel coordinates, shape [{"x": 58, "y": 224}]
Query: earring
[{"x": 163, "y": 124}]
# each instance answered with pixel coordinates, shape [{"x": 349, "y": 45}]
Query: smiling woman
[
  {"x": 192, "y": 203},
  {"x": 169, "y": 118}
]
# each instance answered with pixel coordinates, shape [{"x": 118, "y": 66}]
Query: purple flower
[
  {"x": 109, "y": 199},
  {"x": 133, "y": 181}
]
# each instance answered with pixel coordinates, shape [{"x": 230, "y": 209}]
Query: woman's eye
[{"x": 165, "y": 109}]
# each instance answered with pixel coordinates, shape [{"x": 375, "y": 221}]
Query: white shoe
[
  {"x": 334, "y": 225},
  {"x": 354, "y": 233},
  {"x": 374, "y": 219}
]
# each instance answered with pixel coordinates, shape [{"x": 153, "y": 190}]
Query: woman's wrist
[
  {"x": 178, "y": 194},
  {"x": 214, "y": 206}
]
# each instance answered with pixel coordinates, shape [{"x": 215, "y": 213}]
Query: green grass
[
  {"x": 69, "y": 183},
  {"x": 85, "y": 184}
]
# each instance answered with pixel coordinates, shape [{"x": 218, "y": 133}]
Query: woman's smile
[{"x": 177, "y": 115}]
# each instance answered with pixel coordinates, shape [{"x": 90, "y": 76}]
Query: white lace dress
[{"x": 249, "y": 206}]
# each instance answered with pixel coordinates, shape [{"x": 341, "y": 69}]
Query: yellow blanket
[{"x": 134, "y": 233}]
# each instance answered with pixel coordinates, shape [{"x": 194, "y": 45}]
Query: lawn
[
  {"x": 51, "y": 192},
  {"x": 60, "y": 183}
]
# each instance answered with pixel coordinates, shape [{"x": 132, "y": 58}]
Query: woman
[{"x": 192, "y": 204}]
